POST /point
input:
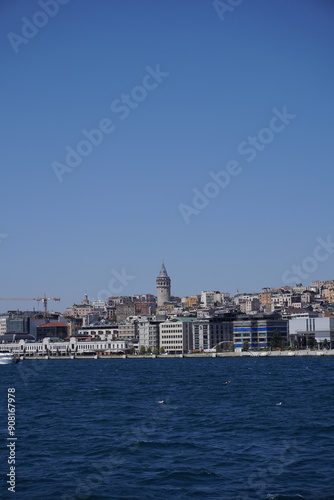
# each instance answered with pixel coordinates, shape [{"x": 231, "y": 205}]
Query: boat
[{"x": 6, "y": 358}]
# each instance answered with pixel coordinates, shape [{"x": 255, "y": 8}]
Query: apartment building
[{"x": 175, "y": 335}]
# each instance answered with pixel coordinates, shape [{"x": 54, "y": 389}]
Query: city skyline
[{"x": 119, "y": 282}]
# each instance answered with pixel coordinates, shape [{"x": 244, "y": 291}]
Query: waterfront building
[
  {"x": 208, "y": 333},
  {"x": 163, "y": 283},
  {"x": 175, "y": 335},
  {"x": 319, "y": 329},
  {"x": 148, "y": 332},
  {"x": 128, "y": 329},
  {"x": 74, "y": 346},
  {"x": 257, "y": 330}
]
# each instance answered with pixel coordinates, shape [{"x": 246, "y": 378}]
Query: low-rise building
[
  {"x": 73, "y": 346},
  {"x": 320, "y": 329}
]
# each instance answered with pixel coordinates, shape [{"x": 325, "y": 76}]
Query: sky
[{"x": 195, "y": 132}]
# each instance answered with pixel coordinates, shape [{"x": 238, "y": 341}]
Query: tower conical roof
[{"x": 163, "y": 272}]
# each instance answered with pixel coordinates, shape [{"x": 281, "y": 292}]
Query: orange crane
[{"x": 43, "y": 299}]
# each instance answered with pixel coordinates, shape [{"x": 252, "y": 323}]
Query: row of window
[
  {"x": 163, "y": 336},
  {"x": 172, "y": 342}
]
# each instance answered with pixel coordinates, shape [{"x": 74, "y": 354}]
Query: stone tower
[{"x": 163, "y": 286}]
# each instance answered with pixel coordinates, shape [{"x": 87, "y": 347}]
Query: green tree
[
  {"x": 276, "y": 339},
  {"x": 245, "y": 345},
  {"x": 311, "y": 342},
  {"x": 218, "y": 348},
  {"x": 149, "y": 350},
  {"x": 162, "y": 350},
  {"x": 132, "y": 350},
  {"x": 325, "y": 344},
  {"x": 155, "y": 350},
  {"x": 142, "y": 349}
]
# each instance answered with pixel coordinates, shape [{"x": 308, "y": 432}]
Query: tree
[
  {"x": 132, "y": 350},
  {"x": 155, "y": 350},
  {"x": 245, "y": 345},
  {"x": 311, "y": 342},
  {"x": 149, "y": 350},
  {"x": 162, "y": 350},
  {"x": 325, "y": 344},
  {"x": 142, "y": 349},
  {"x": 218, "y": 348},
  {"x": 276, "y": 339}
]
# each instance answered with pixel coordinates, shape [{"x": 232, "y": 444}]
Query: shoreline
[{"x": 244, "y": 354}]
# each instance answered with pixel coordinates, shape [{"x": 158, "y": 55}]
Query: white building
[
  {"x": 102, "y": 331},
  {"x": 99, "y": 305},
  {"x": 176, "y": 335},
  {"x": 73, "y": 346},
  {"x": 208, "y": 299},
  {"x": 319, "y": 328},
  {"x": 148, "y": 331},
  {"x": 3, "y": 325}
]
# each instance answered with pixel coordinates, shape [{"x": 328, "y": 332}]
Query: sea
[{"x": 168, "y": 428}]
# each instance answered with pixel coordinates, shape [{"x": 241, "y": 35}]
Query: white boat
[{"x": 6, "y": 358}]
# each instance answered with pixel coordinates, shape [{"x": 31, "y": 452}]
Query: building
[
  {"x": 190, "y": 302},
  {"x": 99, "y": 330},
  {"x": 163, "y": 283},
  {"x": 303, "y": 330},
  {"x": 250, "y": 305},
  {"x": 258, "y": 330},
  {"x": 175, "y": 335},
  {"x": 208, "y": 299},
  {"x": 74, "y": 346},
  {"x": 145, "y": 308},
  {"x": 123, "y": 311},
  {"x": 128, "y": 330},
  {"x": 52, "y": 330},
  {"x": 208, "y": 333},
  {"x": 3, "y": 325},
  {"x": 80, "y": 310},
  {"x": 148, "y": 332},
  {"x": 18, "y": 324}
]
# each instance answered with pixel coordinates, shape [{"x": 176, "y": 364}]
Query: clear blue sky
[{"x": 120, "y": 208}]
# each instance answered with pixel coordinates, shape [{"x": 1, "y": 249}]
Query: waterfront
[{"x": 171, "y": 429}]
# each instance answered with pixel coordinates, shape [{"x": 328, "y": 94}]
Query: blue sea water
[{"x": 170, "y": 429}]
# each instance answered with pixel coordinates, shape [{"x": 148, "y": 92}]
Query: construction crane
[{"x": 43, "y": 299}]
